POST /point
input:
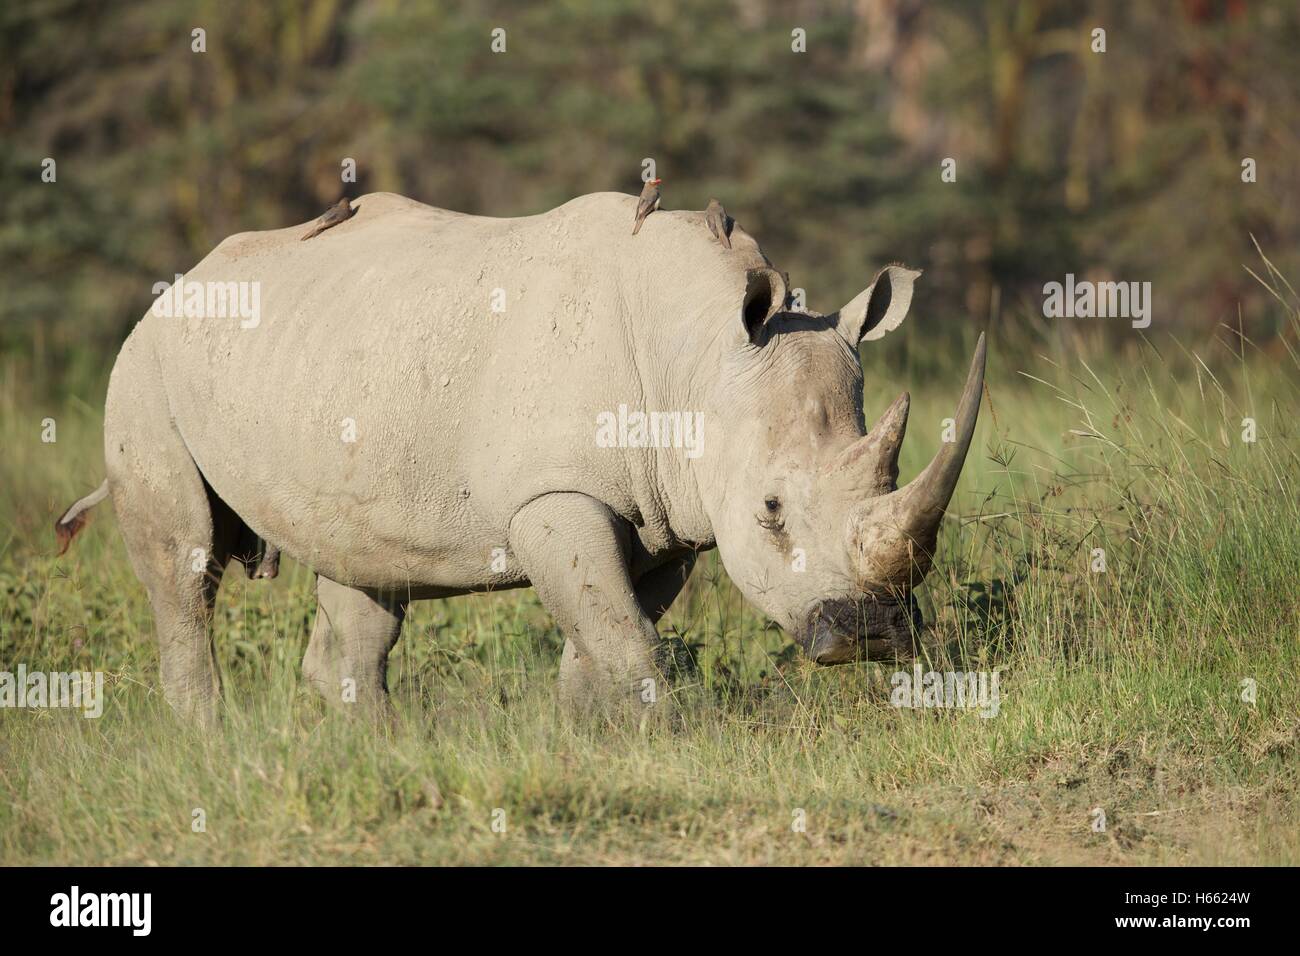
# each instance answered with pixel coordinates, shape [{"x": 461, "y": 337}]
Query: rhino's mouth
[{"x": 843, "y": 630}]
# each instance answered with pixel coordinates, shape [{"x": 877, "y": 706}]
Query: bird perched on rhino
[
  {"x": 719, "y": 223},
  {"x": 648, "y": 202},
  {"x": 335, "y": 214}
]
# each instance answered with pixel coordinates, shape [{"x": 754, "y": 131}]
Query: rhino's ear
[
  {"x": 879, "y": 308},
  {"x": 764, "y": 297}
]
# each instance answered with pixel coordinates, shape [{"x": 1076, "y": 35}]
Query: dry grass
[{"x": 1120, "y": 690}]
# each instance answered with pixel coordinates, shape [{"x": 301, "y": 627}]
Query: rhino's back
[{"x": 382, "y": 412}]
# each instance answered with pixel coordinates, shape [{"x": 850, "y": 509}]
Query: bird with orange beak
[{"x": 648, "y": 202}]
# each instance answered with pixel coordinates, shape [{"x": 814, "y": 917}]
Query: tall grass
[{"x": 1125, "y": 690}]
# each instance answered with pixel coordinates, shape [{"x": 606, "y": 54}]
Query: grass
[{"x": 1120, "y": 690}]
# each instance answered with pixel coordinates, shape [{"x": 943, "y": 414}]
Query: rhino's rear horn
[{"x": 871, "y": 462}]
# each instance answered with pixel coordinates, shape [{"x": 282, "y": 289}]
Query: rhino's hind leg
[
  {"x": 575, "y": 551},
  {"x": 347, "y": 657},
  {"x": 176, "y": 532}
]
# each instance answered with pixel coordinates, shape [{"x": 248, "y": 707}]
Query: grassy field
[{"x": 1121, "y": 690}]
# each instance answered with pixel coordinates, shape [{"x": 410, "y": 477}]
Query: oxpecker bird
[
  {"x": 335, "y": 214},
  {"x": 719, "y": 223},
  {"x": 647, "y": 204}
]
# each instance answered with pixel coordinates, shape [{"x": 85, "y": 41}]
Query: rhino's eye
[{"x": 770, "y": 518}]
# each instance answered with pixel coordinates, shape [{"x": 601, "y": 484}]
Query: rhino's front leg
[
  {"x": 575, "y": 551},
  {"x": 655, "y": 589},
  {"x": 655, "y": 592}
]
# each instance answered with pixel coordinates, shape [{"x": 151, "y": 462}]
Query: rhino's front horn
[
  {"x": 927, "y": 496},
  {"x": 895, "y": 535}
]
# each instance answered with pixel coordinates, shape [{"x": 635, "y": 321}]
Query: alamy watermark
[
  {"x": 960, "y": 690},
  {"x": 209, "y": 300},
  {"x": 75, "y": 908},
  {"x": 1099, "y": 300},
  {"x": 637, "y": 429},
  {"x": 42, "y": 689}
]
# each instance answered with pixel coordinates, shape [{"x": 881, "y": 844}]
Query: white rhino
[{"x": 424, "y": 408}]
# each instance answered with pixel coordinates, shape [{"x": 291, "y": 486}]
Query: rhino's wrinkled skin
[{"x": 386, "y": 425}]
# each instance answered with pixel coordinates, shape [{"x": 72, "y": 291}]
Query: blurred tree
[{"x": 1124, "y": 164}]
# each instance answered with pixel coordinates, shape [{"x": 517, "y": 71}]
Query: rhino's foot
[
  {"x": 587, "y": 687},
  {"x": 198, "y": 709}
]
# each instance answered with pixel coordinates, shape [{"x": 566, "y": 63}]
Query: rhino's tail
[{"x": 74, "y": 519}]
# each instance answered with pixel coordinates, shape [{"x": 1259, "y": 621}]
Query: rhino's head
[{"x": 804, "y": 503}]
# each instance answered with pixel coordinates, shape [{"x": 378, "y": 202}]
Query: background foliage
[{"x": 1121, "y": 165}]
